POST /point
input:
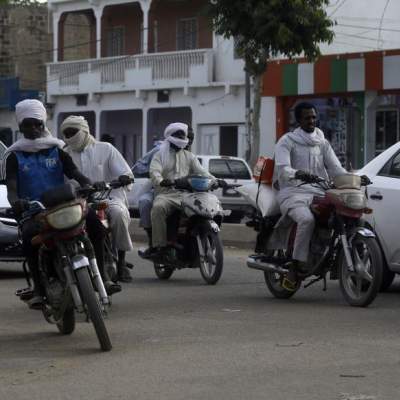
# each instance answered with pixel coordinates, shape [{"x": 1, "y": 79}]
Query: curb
[{"x": 235, "y": 235}]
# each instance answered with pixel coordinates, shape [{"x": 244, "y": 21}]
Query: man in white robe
[
  {"x": 171, "y": 162},
  {"x": 298, "y": 156},
  {"x": 101, "y": 161}
]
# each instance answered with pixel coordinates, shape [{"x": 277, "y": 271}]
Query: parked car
[
  {"x": 383, "y": 198},
  {"x": 234, "y": 170}
]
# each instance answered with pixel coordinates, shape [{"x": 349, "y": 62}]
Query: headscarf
[
  {"x": 30, "y": 108},
  {"x": 181, "y": 143},
  {"x": 82, "y": 138},
  {"x": 315, "y": 138}
]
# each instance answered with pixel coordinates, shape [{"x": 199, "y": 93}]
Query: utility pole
[{"x": 248, "y": 113}]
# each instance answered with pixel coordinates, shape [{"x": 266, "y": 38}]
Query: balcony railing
[{"x": 143, "y": 71}]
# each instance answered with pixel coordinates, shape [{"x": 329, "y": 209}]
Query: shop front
[{"x": 357, "y": 98}]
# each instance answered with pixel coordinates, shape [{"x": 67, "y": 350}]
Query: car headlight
[
  {"x": 66, "y": 217},
  {"x": 355, "y": 201}
]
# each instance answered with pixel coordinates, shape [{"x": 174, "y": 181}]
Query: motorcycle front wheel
[
  {"x": 212, "y": 264},
  {"x": 93, "y": 307},
  {"x": 361, "y": 285}
]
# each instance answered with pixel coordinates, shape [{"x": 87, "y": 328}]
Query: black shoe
[
  {"x": 112, "y": 287},
  {"x": 123, "y": 274},
  {"x": 36, "y": 302},
  {"x": 148, "y": 253}
]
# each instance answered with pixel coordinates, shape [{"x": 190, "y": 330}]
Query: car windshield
[{"x": 229, "y": 169}]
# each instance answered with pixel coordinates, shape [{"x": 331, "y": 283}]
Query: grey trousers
[
  {"x": 305, "y": 228},
  {"x": 163, "y": 206},
  {"x": 119, "y": 219},
  {"x": 145, "y": 206}
]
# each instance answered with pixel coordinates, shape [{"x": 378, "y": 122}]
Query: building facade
[
  {"x": 357, "y": 96},
  {"x": 24, "y": 50},
  {"x": 135, "y": 66}
]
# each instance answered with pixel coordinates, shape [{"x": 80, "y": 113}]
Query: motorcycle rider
[
  {"x": 299, "y": 157},
  {"x": 169, "y": 164},
  {"x": 101, "y": 161},
  {"x": 146, "y": 199},
  {"x": 33, "y": 165}
]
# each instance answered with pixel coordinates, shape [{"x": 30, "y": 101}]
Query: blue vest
[{"x": 38, "y": 172}]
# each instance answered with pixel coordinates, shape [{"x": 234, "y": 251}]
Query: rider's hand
[
  {"x": 181, "y": 183},
  {"x": 365, "y": 181},
  {"x": 20, "y": 206},
  {"x": 222, "y": 183},
  {"x": 99, "y": 186},
  {"x": 305, "y": 176},
  {"x": 166, "y": 183},
  {"x": 125, "y": 180}
]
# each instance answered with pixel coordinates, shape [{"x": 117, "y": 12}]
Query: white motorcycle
[{"x": 193, "y": 232}]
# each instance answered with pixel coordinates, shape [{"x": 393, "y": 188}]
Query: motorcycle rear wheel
[
  {"x": 67, "y": 323},
  {"x": 211, "y": 270},
  {"x": 361, "y": 291},
  {"x": 163, "y": 273},
  {"x": 273, "y": 281},
  {"x": 93, "y": 307}
]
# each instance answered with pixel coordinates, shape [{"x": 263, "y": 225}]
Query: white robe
[
  {"x": 101, "y": 161},
  {"x": 312, "y": 153}
]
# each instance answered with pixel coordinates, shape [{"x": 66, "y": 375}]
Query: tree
[{"x": 269, "y": 28}]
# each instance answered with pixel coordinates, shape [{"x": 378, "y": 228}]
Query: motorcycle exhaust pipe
[
  {"x": 98, "y": 281},
  {"x": 257, "y": 263}
]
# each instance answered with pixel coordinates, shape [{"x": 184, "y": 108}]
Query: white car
[
  {"x": 383, "y": 198},
  {"x": 234, "y": 170}
]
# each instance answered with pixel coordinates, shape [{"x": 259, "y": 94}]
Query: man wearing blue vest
[{"x": 33, "y": 165}]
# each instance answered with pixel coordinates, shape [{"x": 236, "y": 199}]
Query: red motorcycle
[{"x": 340, "y": 246}]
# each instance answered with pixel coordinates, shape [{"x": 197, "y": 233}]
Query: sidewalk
[{"x": 237, "y": 235}]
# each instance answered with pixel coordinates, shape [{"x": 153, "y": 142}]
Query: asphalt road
[{"x": 181, "y": 339}]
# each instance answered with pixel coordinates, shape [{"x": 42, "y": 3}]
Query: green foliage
[
  {"x": 268, "y": 28},
  {"x": 20, "y": 3}
]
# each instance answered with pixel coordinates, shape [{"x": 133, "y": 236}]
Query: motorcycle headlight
[
  {"x": 355, "y": 201},
  {"x": 66, "y": 217}
]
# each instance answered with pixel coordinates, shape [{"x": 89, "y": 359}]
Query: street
[{"x": 180, "y": 339}]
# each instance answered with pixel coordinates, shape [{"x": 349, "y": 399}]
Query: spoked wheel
[
  {"x": 93, "y": 307},
  {"x": 274, "y": 284},
  {"x": 274, "y": 280},
  {"x": 212, "y": 263},
  {"x": 163, "y": 272},
  {"x": 66, "y": 325},
  {"x": 361, "y": 285}
]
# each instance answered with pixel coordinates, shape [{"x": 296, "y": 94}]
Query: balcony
[{"x": 154, "y": 71}]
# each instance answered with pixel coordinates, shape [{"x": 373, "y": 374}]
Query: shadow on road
[{"x": 11, "y": 273}]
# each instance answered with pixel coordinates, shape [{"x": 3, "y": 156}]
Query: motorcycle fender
[
  {"x": 79, "y": 262},
  {"x": 364, "y": 232}
]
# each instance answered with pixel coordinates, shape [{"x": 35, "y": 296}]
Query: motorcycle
[
  {"x": 68, "y": 268},
  {"x": 193, "y": 232},
  {"x": 10, "y": 243},
  {"x": 341, "y": 245}
]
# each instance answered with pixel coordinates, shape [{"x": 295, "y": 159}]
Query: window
[
  {"x": 229, "y": 169},
  {"x": 187, "y": 34},
  {"x": 116, "y": 41},
  {"x": 392, "y": 167},
  {"x": 387, "y": 127},
  {"x": 228, "y": 141}
]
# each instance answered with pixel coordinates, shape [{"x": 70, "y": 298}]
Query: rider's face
[
  {"x": 69, "y": 132},
  {"x": 32, "y": 128},
  {"x": 308, "y": 120}
]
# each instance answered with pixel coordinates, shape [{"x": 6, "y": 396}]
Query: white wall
[
  {"x": 366, "y": 14},
  {"x": 268, "y": 126}
]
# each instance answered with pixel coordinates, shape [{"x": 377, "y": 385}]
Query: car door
[{"x": 383, "y": 198}]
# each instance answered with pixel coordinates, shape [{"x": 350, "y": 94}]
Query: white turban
[
  {"x": 175, "y": 127},
  {"x": 82, "y": 138},
  {"x": 30, "y": 108},
  {"x": 180, "y": 143}
]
